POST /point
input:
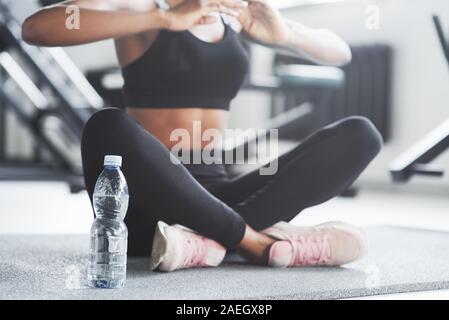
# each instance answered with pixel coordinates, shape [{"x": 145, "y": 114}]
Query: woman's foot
[
  {"x": 329, "y": 244},
  {"x": 255, "y": 246},
  {"x": 176, "y": 247}
]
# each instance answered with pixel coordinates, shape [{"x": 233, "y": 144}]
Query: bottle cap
[{"x": 113, "y": 161}]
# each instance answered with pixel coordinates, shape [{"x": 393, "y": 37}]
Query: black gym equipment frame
[
  {"x": 67, "y": 84},
  {"x": 34, "y": 123},
  {"x": 417, "y": 160},
  {"x": 73, "y": 100}
]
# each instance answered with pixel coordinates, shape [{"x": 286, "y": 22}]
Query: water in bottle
[{"x": 109, "y": 235}]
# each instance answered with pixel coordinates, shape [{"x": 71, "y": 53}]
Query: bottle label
[{"x": 117, "y": 245}]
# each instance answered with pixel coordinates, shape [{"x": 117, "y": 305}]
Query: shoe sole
[{"x": 160, "y": 245}]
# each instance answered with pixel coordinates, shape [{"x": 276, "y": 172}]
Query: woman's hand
[
  {"x": 263, "y": 23},
  {"x": 192, "y": 12}
]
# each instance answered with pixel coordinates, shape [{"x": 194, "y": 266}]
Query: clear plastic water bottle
[{"x": 109, "y": 235}]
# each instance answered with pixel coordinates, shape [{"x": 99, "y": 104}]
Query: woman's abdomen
[{"x": 183, "y": 128}]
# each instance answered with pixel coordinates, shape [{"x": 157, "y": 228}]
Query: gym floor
[{"x": 70, "y": 214}]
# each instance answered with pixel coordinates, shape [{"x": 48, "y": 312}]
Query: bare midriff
[{"x": 163, "y": 123}]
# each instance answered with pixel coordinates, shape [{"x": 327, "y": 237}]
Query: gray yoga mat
[{"x": 399, "y": 260}]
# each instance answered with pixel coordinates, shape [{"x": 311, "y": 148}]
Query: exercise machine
[
  {"x": 417, "y": 160},
  {"x": 50, "y": 97}
]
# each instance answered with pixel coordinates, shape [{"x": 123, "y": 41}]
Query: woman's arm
[
  {"x": 112, "y": 19},
  {"x": 99, "y": 20},
  {"x": 262, "y": 23},
  {"x": 318, "y": 45}
]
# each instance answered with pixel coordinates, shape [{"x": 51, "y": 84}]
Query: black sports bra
[{"x": 180, "y": 70}]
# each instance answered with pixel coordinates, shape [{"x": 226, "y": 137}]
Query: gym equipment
[
  {"x": 366, "y": 91},
  {"x": 36, "y": 119},
  {"x": 287, "y": 80},
  {"x": 416, "y": 160},
  {"x": 59, "y": 99},
  {"x": 54, "y": 69}
]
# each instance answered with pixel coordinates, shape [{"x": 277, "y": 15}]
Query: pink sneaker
[
  {"x": 176, "y": 247},
  {"x": 329, "y": 244}
]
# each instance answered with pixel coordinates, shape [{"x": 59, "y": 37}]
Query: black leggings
[{"x": 321, "y": 167}]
